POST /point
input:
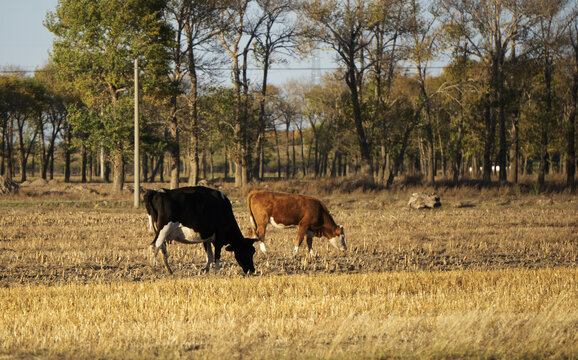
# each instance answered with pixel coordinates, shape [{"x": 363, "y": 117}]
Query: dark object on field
[
  {"x": 7, "y": 186},
  {"x": 424, "y": 201}
]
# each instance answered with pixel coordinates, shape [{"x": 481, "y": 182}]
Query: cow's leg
[
  {"x": 300, "y": 235},
  {"x": 209, "y": 256},
  {"x": 157, "y": 229},
  {"x": 261, "y": 230},
  {"x": 217, "y": 257},
  {"x": 154, "y": 240},
  {"x": 153, "y": 250},
  {"x": 262, "y": 247},
  {"x": 165, "y": 257},
  {"x": 310, "y": 243}
]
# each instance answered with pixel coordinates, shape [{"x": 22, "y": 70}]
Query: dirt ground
[{"x": 54, "y": 233}]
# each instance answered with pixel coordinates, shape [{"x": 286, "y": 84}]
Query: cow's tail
[
  {"x": 151, "y": 210},
  {"x": 252, "y": 221}
]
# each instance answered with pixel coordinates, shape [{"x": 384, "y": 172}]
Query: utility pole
[{"x": 136, "y": 139}]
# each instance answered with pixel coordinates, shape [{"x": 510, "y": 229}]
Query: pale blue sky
[{"x": 24, "y": 41}]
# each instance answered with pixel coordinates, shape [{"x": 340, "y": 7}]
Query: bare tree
[
  {"x": 571, "y": 130},
  {"x": 198, "y": 32},
  {"x": 237, "y": 27},
  {"x": 54, "y": 111},
  {"x": 386, "y": 29},
  {"x": 422, "y": 50},
  {"x": 278, "y": 34},
  {"x": 177, "y": 14},
  {"x": 489, "y": 27},
  {"x": 548, "y": 33},
  {"x": 343, "y": 25}
]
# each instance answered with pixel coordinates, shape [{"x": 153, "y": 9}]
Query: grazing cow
[
  {"x": 284, "y": 210},
  {"x": 197, "y": 214}
]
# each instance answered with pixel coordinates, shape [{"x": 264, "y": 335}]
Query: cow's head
[
  {"x": 244, "y": 252},
  {"x": 338, "y": 239}
]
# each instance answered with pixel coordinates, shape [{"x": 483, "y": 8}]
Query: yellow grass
[{"x": 514, "y": 313}]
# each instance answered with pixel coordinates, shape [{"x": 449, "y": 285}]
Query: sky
[{"x": 25, "y": 42}]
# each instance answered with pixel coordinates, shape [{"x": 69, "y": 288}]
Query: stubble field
[{"x": 490, "y": 274}]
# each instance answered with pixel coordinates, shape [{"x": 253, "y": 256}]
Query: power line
[
  {"x": 304, "y": 68},
  {"x": 298, "y": 68}
]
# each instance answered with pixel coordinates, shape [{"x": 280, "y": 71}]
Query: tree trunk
[
  {"x": 43, "y": 152},
  {"x": 442, "y": 154},
  {"x": 83, "y": 165},
  {"x": 3, "y": 150},
  {"x": 287, "y": 153},
  {"x": 431, "y": 170},
  {"x": 457, "y": 162},
  {"x": 262, "y": 114},
  {"x": 278, "y": 152},
  {"x": 160, "y": 166},
  {"x": 145, "y": 167},
  {"x": 102, "y": 164},
  {"x": 544, "y": 126},
  {"x": 9, "y": 140},
  {"x": 226, "y": 156},
  {"x": 399, "y": 158},
  {"x": 90, "y": 165},
  {"x": 382, "y": 169},
  {"x": 174, "y": 150},
  {"x": 211, "y": 164},
  {"x": 571, "y": 132},
  {"x": 22, "y": 152},
  {"x": 240, "y": 155},
  {"x": 422, "y": 157},
  {"x": 118, "y": 172},
  {"x": 366, "y": 166},
  {"x": 67, "y": 153},
  {"x": 194, "y": 115},
  {"x": 489, "y": 138},
  {"x": 240, "y": 165},
  {"x": 502, "y": 152},
  {"x": 515, "y": 151},
  {"x": 204, "y": 163},
  {"x": 316, "y": 164},
  {"x": 294, "y": 156},
  {"x": 302, "y": 143}
]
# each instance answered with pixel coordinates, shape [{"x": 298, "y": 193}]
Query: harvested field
[
  {"x": 503, "y": 261},
  {"x": 51, "y": 241}
]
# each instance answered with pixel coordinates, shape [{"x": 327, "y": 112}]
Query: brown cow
[{"x": 284, "y": 210}]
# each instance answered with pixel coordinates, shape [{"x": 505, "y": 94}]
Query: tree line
[{"x": 452, "y": 88}]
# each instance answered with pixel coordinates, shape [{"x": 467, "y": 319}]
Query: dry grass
[
  {"x": 504, "y": 314},
  {"x": 491, "y": 274}
]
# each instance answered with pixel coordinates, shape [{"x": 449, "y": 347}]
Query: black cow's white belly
[{"x": 177, "y": 232}]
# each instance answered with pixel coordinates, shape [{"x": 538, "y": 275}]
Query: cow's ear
[{"x": 229, "y": 248}]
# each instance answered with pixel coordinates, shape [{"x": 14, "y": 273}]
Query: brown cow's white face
[{"x": 338, "y": 241}]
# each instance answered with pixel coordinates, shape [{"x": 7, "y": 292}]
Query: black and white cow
[{"x": 194, "y": 215}]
